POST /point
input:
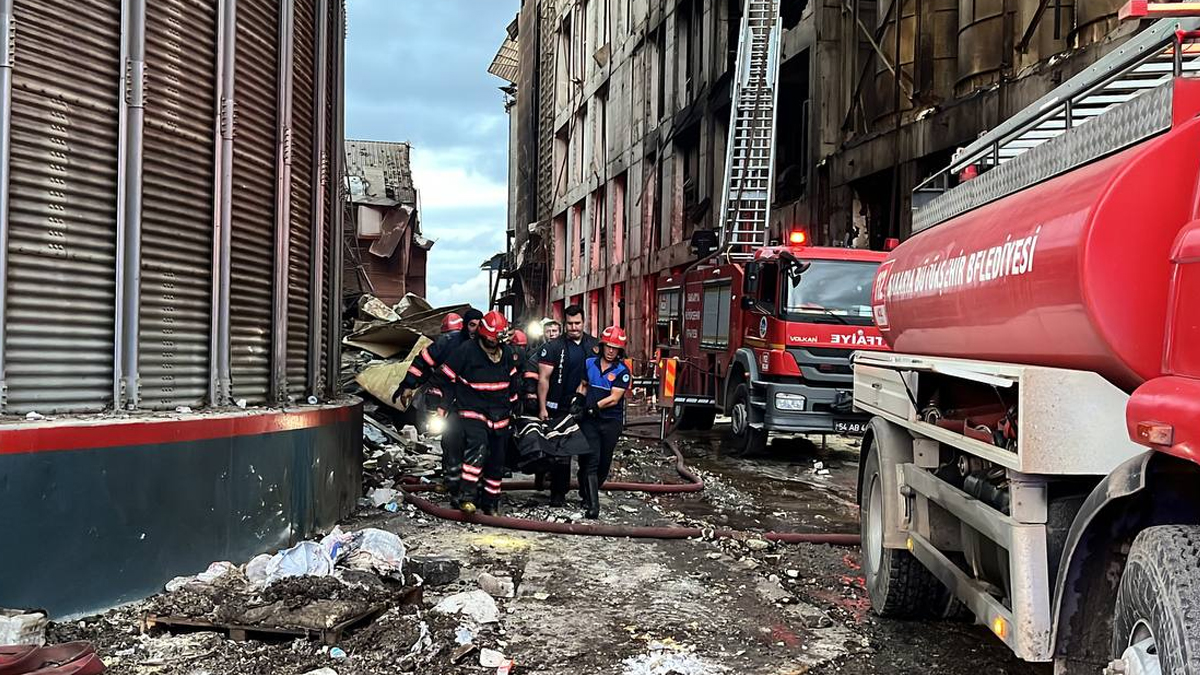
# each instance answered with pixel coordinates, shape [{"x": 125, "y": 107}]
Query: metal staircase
[
  {"x": 1120, "y": 100},
  {"x": 750, "y": 153}
]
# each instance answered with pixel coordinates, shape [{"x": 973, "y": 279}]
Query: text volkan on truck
[
  {"x": 1032, "y": 454},
  {"x": 768, "y": 341}
]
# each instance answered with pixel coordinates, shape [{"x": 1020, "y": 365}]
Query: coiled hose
[{"x": 694, "y": 484}]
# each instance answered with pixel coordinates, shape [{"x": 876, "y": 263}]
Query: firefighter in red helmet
[
  {"x": 451, "y": 323},
  {"x": 605, "y": 382},
  {"x": 484, "y": 377}
]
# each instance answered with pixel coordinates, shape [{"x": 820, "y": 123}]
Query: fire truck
[
  {"x": 1033, "y": 453},
  {"x": 768, "y": 341}
]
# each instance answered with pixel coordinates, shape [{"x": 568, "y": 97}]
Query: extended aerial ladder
[{"x": 750, "y": 153}]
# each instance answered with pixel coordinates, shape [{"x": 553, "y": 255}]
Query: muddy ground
[{"x": 588, "y": 605}]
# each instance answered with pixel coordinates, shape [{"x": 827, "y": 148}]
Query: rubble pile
[{"x": 381, "y": 342}]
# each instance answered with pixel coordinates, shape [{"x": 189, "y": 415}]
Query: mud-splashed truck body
[
  {"x": 1036, "y": 430},
  {"x": 768, "y": 342}
]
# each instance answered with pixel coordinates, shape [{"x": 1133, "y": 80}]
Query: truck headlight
[{"x": 789, "y": 402}]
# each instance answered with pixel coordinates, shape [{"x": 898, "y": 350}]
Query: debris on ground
[
  {"x": 477, "y": 606},
  {"x": 19, "y": 627}
]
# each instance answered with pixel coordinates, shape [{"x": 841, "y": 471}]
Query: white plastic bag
[
  {"x": 308, "y": 558},
  {"x": 475, "y": 605},
  {"x": 377, "y": 550}
]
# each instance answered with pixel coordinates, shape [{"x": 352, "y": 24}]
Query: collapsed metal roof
[
  {"x": 380, "y": 173},
  {"x": 505, "y": 65}
]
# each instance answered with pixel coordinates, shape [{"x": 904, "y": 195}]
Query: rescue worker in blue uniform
[
  {"x": 484, "y": 380},
  {"x": 603, "y": 388},
  {"x": 426, "y": 370},
  {"x": 560, "y": 370}
]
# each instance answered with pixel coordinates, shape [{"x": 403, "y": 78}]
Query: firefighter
[
  {"x": 550, "y": 329},
  {"x": 484, "y": 380},
  {"x": 605, "y": 383},
  {"x": 451, "y": 323},
  {"x": 561, "y": 367},
  {"x": 426, "y": 370}
]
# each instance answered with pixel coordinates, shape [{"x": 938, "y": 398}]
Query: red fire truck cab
[{"x": 768, "y": 342}]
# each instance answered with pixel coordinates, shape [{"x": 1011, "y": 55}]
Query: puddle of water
[{"x": 776, "y": 491}]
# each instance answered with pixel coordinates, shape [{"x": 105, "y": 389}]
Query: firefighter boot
[
  {"x": 593, "y": 497},
  {"x": 489, "y": 505},
  {"x": 462, "y": 497}
]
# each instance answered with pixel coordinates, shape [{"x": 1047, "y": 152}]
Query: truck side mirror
[
  {"x": 749, "y": 303},
  {"x": 750, "y": 277}
]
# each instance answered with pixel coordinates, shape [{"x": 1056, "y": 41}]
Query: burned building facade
[
  {"x": 386, "y": 252},
  {"x": 620, "y": 115}
]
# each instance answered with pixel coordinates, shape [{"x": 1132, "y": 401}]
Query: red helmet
[
  {"x": 614, "y": 336},
  {"x": 493, "y": 325},
  {"x": 519, "y": 338},
  {"x": 451, "y": 322}
]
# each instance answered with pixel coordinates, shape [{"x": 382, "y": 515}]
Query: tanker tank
[{"x": 1071, "y": 272}]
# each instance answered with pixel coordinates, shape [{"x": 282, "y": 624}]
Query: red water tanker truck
[{"x": 1032, "y": 454}]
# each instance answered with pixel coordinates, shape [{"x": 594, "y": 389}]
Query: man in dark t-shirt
[{"x": 561, "y": 367}]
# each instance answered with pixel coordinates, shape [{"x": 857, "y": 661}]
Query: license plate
[{"x": 852, "y": 428}]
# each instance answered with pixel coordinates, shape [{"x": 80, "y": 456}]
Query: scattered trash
[
  {"x": 392, "y": 507},
  {"x": 183, "y": 409},
  {"x": 22, "y": 628},
  {"x": 541, "y": 595},
  {"x": 506, "y": 667},
  {"x": 409, "y": 432},
  {"x": 463, "y": 635},
  {"x": 460, "y": 654},
  {"x": 337, "y": 653},
  {"x": 475, "y": 605},
  {"x": 256, "y": 569},
  {"x": 497, "y": 587},
  {"x": 322, "y": 671},
  {"x": 32, "y": 416},
  {"x": 823, "y": 472},
  {"x": 308, "y": 558},
  {"x": 241, "y": 403},
  {"x": 628, "y": 509},
  {"x": 757, "y": 544},
  {"x": 376, "y": 550},
  {"x": 382, "y": 496},
  {"x": 794, "y": 574},
  {"x": 663, "y": 661},
  {"x": 436, "y": 571},
  {"x": 490, "y": 658}
]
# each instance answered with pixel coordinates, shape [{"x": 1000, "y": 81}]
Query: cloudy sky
[{"x": 416, "y": 70}]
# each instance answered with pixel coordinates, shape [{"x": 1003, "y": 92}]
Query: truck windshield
[{"x": 831, "y": 291}]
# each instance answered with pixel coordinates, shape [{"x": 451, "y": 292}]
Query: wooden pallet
[{"x": 241, "y": 633}]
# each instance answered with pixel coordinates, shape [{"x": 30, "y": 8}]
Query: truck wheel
[
  {"x": 746, "y": 439},
  {"x": 898, "y": 585},
  {"x": 1157, "y": 623}
]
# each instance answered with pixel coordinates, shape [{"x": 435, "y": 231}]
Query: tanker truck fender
[
  {"x": 742, "y": 370},
  {"x": 1148, "y": 490},
  {"x": 893, "y": 445}
]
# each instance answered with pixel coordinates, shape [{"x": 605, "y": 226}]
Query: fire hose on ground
[{"x": 694, "y": 484}]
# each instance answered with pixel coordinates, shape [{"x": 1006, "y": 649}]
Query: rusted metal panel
[
  {"x": 177, "y": 219},
  {"x": 304, "y": 96},
  {"x": 59, "y": 337},
  {"x": 254, "y": 174}
]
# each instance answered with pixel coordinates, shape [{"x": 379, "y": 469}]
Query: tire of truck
[
  {"x": 1157, "y": 623},
  {"x": 746, "y": 439},
  {"x": 689, "y": 418},
  {"x": 898, "y": 585}
]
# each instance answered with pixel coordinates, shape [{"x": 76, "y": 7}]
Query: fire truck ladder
[
  {"x": 1122, "y": 99},
  {"x": 750, "y": 153}
]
